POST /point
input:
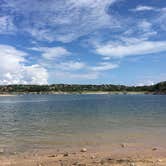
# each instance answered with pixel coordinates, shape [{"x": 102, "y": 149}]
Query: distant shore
[
  {"x": 159, "y": 88},
  {"x": 84, "y": 92},
  {"x": 7, "y": 94}
]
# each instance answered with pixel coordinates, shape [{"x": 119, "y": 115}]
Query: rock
[
  {"x": 120, "y": 161},
  {"x": 75, "y": 163},
  {"x": 66, "y": 154},
  {"x": 132, "y": 164},
  {"x": 159, "y": 160},
  {"x": 102, "y": 162},
  {"x": 81, "y": 164},
  {"x": 109, "y": 159},
  {"x": 123, "y": 145},
  {"x": 39, "y": 164},
  {"x": 52, "y": 155},
  {"x": 1, "y": 150},
  {"x": 92, "y": 157},
  {"x": 83, "y": 150},
  {"x": 154, "y": 149}
]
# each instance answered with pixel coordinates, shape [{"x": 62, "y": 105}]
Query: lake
[{"x": 64, "y": 121}]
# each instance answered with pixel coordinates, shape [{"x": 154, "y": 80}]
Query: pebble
[
  {"x": 1, "y": 150},
  {"x": 39, "y": 165},
  {"x": 109, "y": 159},
  {"x": 52, "y": 155},
  {"x": 102, "y": 162},
  {"x": 123, "y": 145},
  {"x": 75, "y": 163},
  {"x": 66, "y": 154},
  {"x": 81, "y": 164},
  {"x": 159, "y": 160},
  {"x": 154, "y": 149},
  {"x": 92, "y": 157},
  {"x": 132, "y": 164},
  {"x": 83, "y": 150}
]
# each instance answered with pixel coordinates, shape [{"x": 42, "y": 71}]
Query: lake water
[{"x": 64, "y": 121}]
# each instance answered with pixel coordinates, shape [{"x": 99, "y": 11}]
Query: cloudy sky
[{"x": 82, "y": 41}]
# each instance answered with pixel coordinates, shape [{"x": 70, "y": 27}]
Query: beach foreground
[
  {"x": 123, "y": 156},
  {"x": 82, "y": 160}
]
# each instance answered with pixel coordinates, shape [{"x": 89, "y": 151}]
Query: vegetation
[{"x": 159, "y": 88}]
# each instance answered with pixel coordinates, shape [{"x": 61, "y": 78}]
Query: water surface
[{"x": 51, "y": 121}]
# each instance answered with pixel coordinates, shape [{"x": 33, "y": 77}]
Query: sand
[
  {"x": 122, "y": 156},
  {"x": 88, "y": 159}
]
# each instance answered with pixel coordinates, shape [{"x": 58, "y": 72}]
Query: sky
[{"x": 82, "y": 41}]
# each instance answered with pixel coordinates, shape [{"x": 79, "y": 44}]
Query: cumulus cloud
[
  {"x": 139, "y": 47},
  {"x": 14, "y": 71},
  {"x": 63, "y": 20},
  {"x": 80, "y": 20},
  {"x": 35, "y": 74}
]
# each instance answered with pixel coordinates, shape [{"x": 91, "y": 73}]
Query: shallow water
[{"x": 60, "y": 121}]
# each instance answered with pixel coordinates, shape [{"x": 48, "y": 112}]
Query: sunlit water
[{"x": 49, "y": 121}]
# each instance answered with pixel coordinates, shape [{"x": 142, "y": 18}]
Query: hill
[{"x": 159, "y": 88}]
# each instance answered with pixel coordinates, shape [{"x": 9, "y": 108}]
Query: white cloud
[
  {"x": 74, "y": 66},
  {"x": 145, "y": 25},
  {"x": 147, "y": 82},
  {"x": 63, "y": 20},
  {"x": 104, "y": 66},
  {"x": 144, "y": 8},
  {"x": 35, "y": 74},
  {"x": 6, "y": 25},
  {"x": 11, "y": 58},
  {"x": 74, "y": 71},
  {"x": 143, "y": 28},
  {"x": 51, "y": 53},
  {"x": 119, "y": 50},
  {"x": 146, "y": 29},
  {"x": 150, "y": 79},
  {"x": 14, "y": 71},
  {"x": 161, "y": 19},
  {"x": 76, "y": 77},
  {"x": 71, "y": 65}
]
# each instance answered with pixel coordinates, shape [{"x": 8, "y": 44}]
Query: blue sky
[{"x": 82, "y": 41}]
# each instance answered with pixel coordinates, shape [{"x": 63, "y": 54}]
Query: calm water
[{"x": 47, "y": 121}]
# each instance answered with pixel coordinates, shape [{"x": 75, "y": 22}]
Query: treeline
[{"x": 157, "y": 88}]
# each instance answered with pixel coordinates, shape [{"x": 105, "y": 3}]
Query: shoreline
[
  {"x": 84, "y": 93},
  {"x": 8, "y": 94},
  {"x": 122, "y": 156}
]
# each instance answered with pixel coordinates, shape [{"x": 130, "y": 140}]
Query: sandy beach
[
  {"x": 121, "y": 155},
  {"x": 78, "y": 159},
  {"x": 7, "y": 95}
]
